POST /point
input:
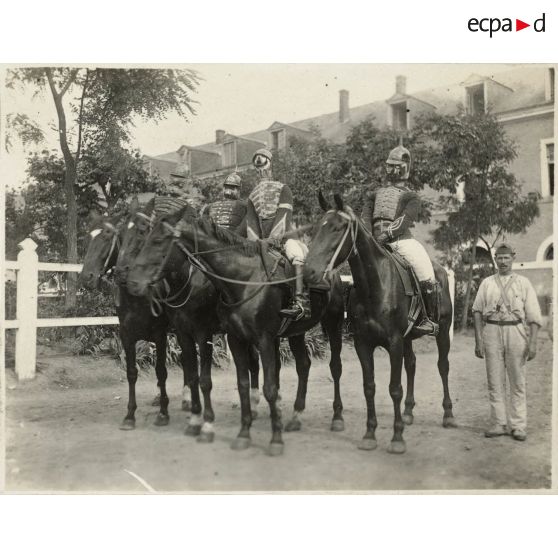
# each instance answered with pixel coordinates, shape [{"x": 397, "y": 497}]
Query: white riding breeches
[
  {"x": 417, "y": 257},
  {"x": 296, "y": 251}
]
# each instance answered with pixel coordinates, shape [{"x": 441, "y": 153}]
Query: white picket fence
[{"x": 27, "y": 322}]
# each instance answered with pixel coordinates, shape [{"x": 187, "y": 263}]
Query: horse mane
[{"x": 227, "y": 237}]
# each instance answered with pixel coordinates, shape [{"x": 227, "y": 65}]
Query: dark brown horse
[
  {"x": 134, "y": 313},
  {"x": 249, "y": 306},
  {"x": 189, "y": 301},
  {"x": 378, "y": 310}
]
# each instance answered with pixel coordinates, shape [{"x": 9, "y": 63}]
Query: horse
[
  {"x": 190, "y": 303},
  {"x": 378, "y": 311},
  {"x": 134, "y": 313},
  {"x": 243, "y": 272}
]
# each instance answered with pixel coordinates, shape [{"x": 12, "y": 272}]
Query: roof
[{"x": 518, "y": 88}]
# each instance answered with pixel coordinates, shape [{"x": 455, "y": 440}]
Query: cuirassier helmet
[
  {"x": 398, "y": 163},
  {"x": 262, "y": 158}
]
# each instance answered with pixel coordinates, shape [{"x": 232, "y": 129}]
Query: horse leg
[
  {"x": 206, "y": 355},
  {"x": 239, "y": 349},
  {"x": 129, "y": 422},
  {"x": 190, "y": 367},
  {"x": 333, "y": 329},
  {"x": 366, "y": 357},
  {"x": 443, "y": 342},
  {"x": 410, "y": 361},
  {"x": 397, "y": 444},
  {"x": 161, "y": 372},
  {"x": 254, "y": 367},
  {"x": 302, "y": 359},
  {"x": 268, "y": 350}
]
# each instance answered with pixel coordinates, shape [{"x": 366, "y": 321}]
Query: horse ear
[
  {"x": 338, "y": 201},
  {"x": 323, "y": 202}
]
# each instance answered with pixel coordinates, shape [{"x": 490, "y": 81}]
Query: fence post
[
  {"x": 26, "y": 333},
  {"x": 451, "y": 286}
]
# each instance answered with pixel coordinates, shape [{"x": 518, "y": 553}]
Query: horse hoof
[
  {"x": 294, "y": 425},
  {"x": 186, "y": 406},
  {"x": 337, "y": 425},
  {"x": 397, "y": 447},
  {"x": 193, "y": 430},
  {"x": 408, "y": 419},
  {"x": 254, "y": 415},
  {"x": 156, "y": 401},
  {"x": 368, "y": 444},
  {"x": 206, "y": 437},
  {"x": 449, "y": 422},
  {"x": 128, "y": 424},
  {"x": 161, "y": 420},
  {"x": 241, "y": 443},
  {"x": 276, "y": 449}
]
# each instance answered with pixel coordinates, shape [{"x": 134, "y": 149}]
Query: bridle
[
  {"x": 352, "y": 229},
  {"x": 115, "y": 244}
]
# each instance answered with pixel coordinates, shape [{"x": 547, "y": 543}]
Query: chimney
[
  {"x": 400, "y": 85},
  {"x": 343, "y": 105},
  {"x": 219, "y": 136}
]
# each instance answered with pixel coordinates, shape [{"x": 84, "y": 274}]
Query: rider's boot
[
  {"x": 428, "y": 326},
  {"x": 300, "y": 305}
]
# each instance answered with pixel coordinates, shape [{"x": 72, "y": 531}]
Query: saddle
[{"x": 411, "y": 285}]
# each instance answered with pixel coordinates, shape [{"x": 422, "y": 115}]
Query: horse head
[
  {"x": 158, "y": 254},
  {"x": 102, "y": 250},
  {"x": 333, "y": 240},
  {"x": 135, "y": 232}
]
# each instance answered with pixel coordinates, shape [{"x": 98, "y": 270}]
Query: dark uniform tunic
[
  {"x": 229, "y": 214},
  {"x": 270, "y": 209},
  {"x": 393, "y": 209}
]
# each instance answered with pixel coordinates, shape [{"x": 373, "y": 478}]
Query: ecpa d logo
[{"x": 492, "y": 25}]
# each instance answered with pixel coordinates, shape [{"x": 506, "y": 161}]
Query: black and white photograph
[{"x": 254, "y": 278}]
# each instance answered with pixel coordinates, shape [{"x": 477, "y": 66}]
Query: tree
[
  {"x": 97, "y": 108},
  {"x": 473, "y": 152}
]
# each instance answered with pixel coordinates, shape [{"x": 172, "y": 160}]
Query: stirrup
[
  {"x": 296, "y": 311},
  {"x": 427, "y": 327}
]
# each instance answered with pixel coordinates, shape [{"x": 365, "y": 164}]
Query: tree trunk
[
  {"x": 469, "y": 285},
  {"x": 70, "y": 177}
]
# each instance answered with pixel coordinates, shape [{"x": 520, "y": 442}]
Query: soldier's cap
[{"x": 505, "y": 248}]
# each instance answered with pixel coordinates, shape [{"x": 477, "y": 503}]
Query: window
[
  {"x": 229, "y": 154},
  {"x": 547, "y": 167},
  {"x": 399, "y": 116},
  {"x": 549, "y": 254},
  {"x": 475, "y": 99},
  {"x": 545, "y": 251},
  {"x": 277, "y": 139}
]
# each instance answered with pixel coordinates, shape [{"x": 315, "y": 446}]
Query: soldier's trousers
[{"x": 504, "y": 353}]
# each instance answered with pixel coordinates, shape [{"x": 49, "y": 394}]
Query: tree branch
[{"x": 80, "y": 116}]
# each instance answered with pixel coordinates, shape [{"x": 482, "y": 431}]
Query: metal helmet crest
[{"x": 398, "y": 163}]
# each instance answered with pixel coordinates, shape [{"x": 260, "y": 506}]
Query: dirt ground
[{"x": 63, "y": 435}]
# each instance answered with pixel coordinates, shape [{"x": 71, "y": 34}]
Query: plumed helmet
[
  {"x": 233, "y": 180},
  {"x": 400, "y": 158},
  {"x": 262, "y": 157}
]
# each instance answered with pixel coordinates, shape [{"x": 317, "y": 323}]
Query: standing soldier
[
  {"x": 230, "y": 212},
  {"x": 269, "y": 216},
  {"x": 504, "y": 302},
  {"x": 390, "y": 212}
]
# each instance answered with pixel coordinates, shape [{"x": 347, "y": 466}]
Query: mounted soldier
[
  {"x": 229, "y": 212},
  {"x": 390, "y": 212},
  {"x": 269, "y": 217}
]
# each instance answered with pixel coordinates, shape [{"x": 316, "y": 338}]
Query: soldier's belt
[{"x": 503, "y": 322}]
